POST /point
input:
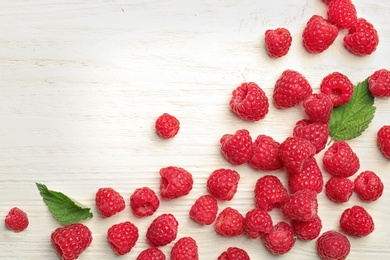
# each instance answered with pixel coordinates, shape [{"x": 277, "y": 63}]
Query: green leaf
[
  {"x": 350, "y": 120},
  {"x": 64, "y": 209}
]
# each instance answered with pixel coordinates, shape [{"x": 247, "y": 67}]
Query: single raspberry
[
  {"x": 280, "y": 239},
  {"x": 269, "y": 192},
  {"x": 122, "y": 237},
  {"x": 356, "y": 221},
  {"x": 342, "y": 13},
  {"x": 290, "y": 89},
  {"x": 383, "y": 140},
  {"x": 185, "y": 249},
  {"x": 339, "y": 189},
  {"x": 222, "y": 183},
  {"x": 163, "y": 230},
  {"x": 340, "y": 160},
  {"x": 109, "y": 202},
  {"x": 362, "y": 38},
  {"x": 229, "y": 222},
  {"x": 338, "y": 87},
  {"x": 333, "y": 245},
  {"x": 167, "y": 126},
  {"x": 318, "y": 107},
  {"x": 301, "y": 205},
  {"x": 237, "y": 148},
  {"x": 70, "y": 241},
  {"x": 152, "y": 253},
  {"x": 319, "y": 34},
  {"x": 204, "y": 210},
  {"x": 144, "y": 202},
  {"x": 256, "y": 222},
  {"x": 234, "y": 253},
  {"x": 315, "y": 133},
  {"x": 309, "y": 178},
  {"x": 16, "y": 220},
  {"x": 176, "y": 182},
  {"x": 295, "y": 153},
  {"x": 307, "y": 230},
  {"x": 265, "y": 154},
  {"x": 249, "y": 102},
  {"x": 379, "y": 83},
  {"x": 368, "y": 186},
  {"x": 277, "y": 42}
]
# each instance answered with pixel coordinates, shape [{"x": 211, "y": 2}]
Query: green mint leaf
[
  {"x": 350, "y": 120},
  {"x": 64, "y": 209}
]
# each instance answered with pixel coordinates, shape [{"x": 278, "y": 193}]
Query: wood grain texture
[{"x": 81, "y": 84}]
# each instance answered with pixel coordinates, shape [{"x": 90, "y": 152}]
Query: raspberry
[
  {"x": 185, "y": 249},
  {"x": 265, "y": 154},
  {"x": 249, "y": 102},
  {"x": 379, "y": 83},
  {"x": 383, "y": 140},
  {"x": 356, "y": 221},
  {"x": 163, "y": 230},
  {"x": 234, "y": 253},
  {"x": 229, "y": 222},
  {"x": 368, "y": 186},
  {"x": 152, "y": 253},
  {"x": 315, "y": 133},
  {"x": 280, "y": 239},
  {"x": 333, "y": 245},
  {"x": 290, "y": 89},
  {"x": 277, "y": 42},
  {"x": 109, "y": 202},
  {"x": 144, "y": 202},
  {"x": 318, "y": 107},
  {"x": 340, "y": 160},
  {"x": 16, "y": 220},
  {"x": 342, "y": 13},
  {"x": 307, "y": 230},
  {"x": 175, "y": 182},
  {"x": 269, "y": 192},
  {"x": 204, "y": 210},
  {"x": 319, "y": 34},
  {"x": 256, "y": 222},
  {"x": 309, "y": 178},
  {"x": 122, "y": 237},
  {"x": 70, "y": 241},
  {"x": 167, "y": 126},
  {"x": 295, "y": 153},
  {"x": 362, "y": 38},
  {"x": 237, "y": 148},
  {"x": 338, "y": 87},
  {"x": 301, "y": 205},
  {"x": 339, "y": 189},
  {"x": 222, "y": 183}
]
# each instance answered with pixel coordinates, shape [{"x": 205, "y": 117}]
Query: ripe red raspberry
[
  {"x": 368, "y": 186},
  {"x": 167, "y": 126},
  {"x": 339, "y": 189},
  {"x": 379, "y": 83},
  {"x": 122, "y": 237},
  {"x": 340, "y": 160},
  {"x": 222, "y": 183},
  {"x": 356, "y": 221},
  {"x": 80, "y": 237},
  {"x": 269, "y": 192},
  {"x": 309, "y": 178},
  {"x": 383, "y": 140},
  {"x": 163, "y": 230},
  {"x": 234, "y": 253},
  {"x": 256, "y": 222},
  {"x": 229, "y": 222},
  {"x": 265, "y": 154},
  {"x": 333, "y": 245},
  {"x": 175, "y": 182},
  {"x": 144, "y": 202},
  {"x": 277, "y": 42},
  {"x": 301, "y": 205},
  {"x": 109, "y": 202},
  {"x": 315, "y": 133},
  {"x": 280, "y": 239},
  {"x": 249, "y": 102},
  {"x": 152, "y": 253},
  {"x": 342, "y": 13},
  {"x": 290, "y": 89},
  {"x": 185, "y": 249},
  {"x": 338, "y": 87},
  {"x": 16, "y": 220},
  {"x": 362, "y": 38},
  {"x": 319, "y": 34},
  {"x": 237, "y": 148},
  {"x": 204, "y": 210},
  {"x": 307, "y": 230},
  {"x": 318, "y": 107}
]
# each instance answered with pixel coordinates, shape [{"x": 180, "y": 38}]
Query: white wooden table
[{"x": 81, "y": 85}]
